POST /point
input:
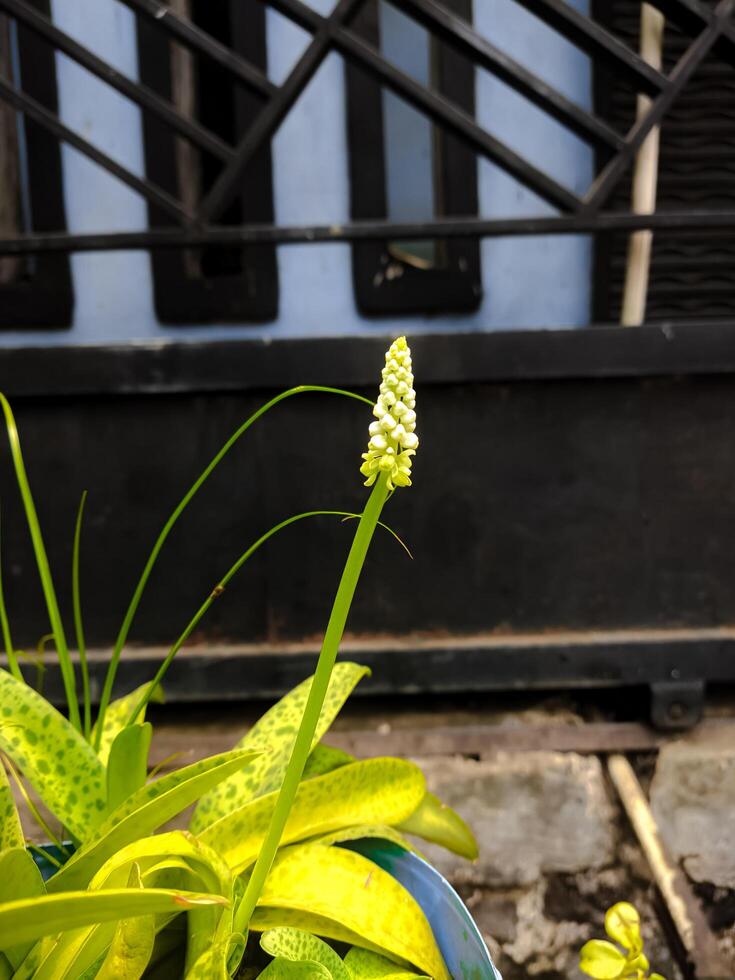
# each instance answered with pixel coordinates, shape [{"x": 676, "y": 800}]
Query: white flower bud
[{"x": 392, "y": 438}]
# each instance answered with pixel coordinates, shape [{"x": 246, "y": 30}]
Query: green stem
[
  {"x": 57, "y": 628},
  {"x": 7, "y": 639},
  {"x": 312, "y": 711},
  {"x": 220, "y": 587},
  {"x": 78, "y": 627},
  {"x": 132, "y": 608}
]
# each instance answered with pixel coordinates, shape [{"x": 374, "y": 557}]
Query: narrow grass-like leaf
[
  {"x": 29, "y": 919},
  {"x": 78, "y": 621},
  {"x": 220, "y": 588},
  {"x": 438, "y": 823},
  {"x": 6, "y": 970},
  {"x": 127, "y": 766},
  {"x": 373, "y": 791},
  {"x": 299, "y": 946},
  {"x": 54, "y": 757},
  {"x": 35, "y": 813},
  {"x": 11, "y": 832},
  {"x": 144, "y": 812},
  {"x": 10, "y": 652},
  {"x": 277, "y": 730},
  {"x": 325, "y": 882},
  {"x": 176, "y": 514},
  {"x": 117, "y": 716},
  {"x": 362, "y": 964},
  {"x": 39, "y": 549}
]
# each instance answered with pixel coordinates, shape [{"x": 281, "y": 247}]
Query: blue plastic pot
[
  {"x": 459, "y": 939},
  {"x": 457, "y": 936}
]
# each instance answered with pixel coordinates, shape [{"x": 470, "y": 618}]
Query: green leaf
[
  {"x": 302, "y": 947},
  {"x": 29, "y": 919},
  {"x": 132, "y": 944},
  {"x": 283, "y": 969},
  {"x": 60, "y": 765},
  {"x": 194, "y": 866},
  {"x": 373, "y": 791},
  {"x": 127, "y": 765},
  {"x": 19, "y": 878},
  {"x": 362, "y": 964},
  {"x": 11, "y": 832},
  {"x": 212, "y": 964},
  {"x": 276, "y": 730},
  {"x": 601, "y": 960},
  {"x": 363, "y": 832},
  {"x": 6, "y": 970},
  {"x": 436, "y": 822},
  {"x": 623, "y": 925},
  {"x": 341, "y": 895},
  {"x": 117, "y": 715},
  {"x": 144, "y": 812},
  {"x": 324, "y": 759}
]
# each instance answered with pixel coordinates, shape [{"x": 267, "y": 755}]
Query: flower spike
[{"x": 393, "y": 439}]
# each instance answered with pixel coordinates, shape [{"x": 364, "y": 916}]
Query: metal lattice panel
[{"x": 705, "y": 29}]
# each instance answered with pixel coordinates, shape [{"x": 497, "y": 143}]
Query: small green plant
[
  {"x": 262, "y": 851},
  {"x": 604, "y": 960}
]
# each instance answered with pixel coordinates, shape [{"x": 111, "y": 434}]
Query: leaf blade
[{"x": 277, "y": 728}]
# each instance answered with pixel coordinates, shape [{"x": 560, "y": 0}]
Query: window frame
[
  {"x": 44, "y": 297},
  {"x": 383, "y": 284},
  {"x": 252, "y": 295}
]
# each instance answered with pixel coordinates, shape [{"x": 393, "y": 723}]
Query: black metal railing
[{"x": 710, "y": 29}]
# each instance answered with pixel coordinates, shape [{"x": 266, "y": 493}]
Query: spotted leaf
[{"x": 276, "y": 730}]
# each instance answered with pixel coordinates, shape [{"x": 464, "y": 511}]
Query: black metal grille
[{"x": 706, "y": 29}]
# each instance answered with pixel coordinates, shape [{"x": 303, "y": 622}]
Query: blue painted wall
[{"x": 527, "y": 282}]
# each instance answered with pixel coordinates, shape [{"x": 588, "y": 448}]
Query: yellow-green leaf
[
  {"x": 362, "y": 832},
  {"x": 144, "y": 812},
  {"x": 623, "y": 925},
  {"x": 324, "y": 759},
  {"x": 298, "y": 946},
  {"x": 601, "y": 960},
  {"x": 363, "y": 964},
  {"x": 374, "y": 791},
  {"x": 117, "y": 715},
  {"x": 57, "y": 761},
  {"x": 11, "y": 832},
  {"x": 211, "y": 965},
  {"x": 127, "y": 765},
  {"x": 19, "y": 878},
  {"x": 276, "y": 731},
  {"x": 132, "y": 944},
  {"x": 283, "y": 969},
  {"x": 6, "y": 970},
  {"x": 354, "y": 899},
  {"x": 436, "y": 822},
  {"x": 28, "y": 919}
]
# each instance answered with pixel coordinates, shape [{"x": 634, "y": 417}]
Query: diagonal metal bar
[
  {"x": 273, "y": 113},
  {"x": 697, "y": 51},
  {"x": 192, "y": 237},
  {"x": 597, "y": 42},
  {"x": 437, "y": 108},
  {"x": 142, "y": 96},
  {"x": 198, "y": 40},
  {"x": 692, "y": 16},
  {"x": 454, "y": 30},
  {"x": 34, "y": 110}
]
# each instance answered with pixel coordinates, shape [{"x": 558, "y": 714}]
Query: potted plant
[{"x": 296, "y": 862}]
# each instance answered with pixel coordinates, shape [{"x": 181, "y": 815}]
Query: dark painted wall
[{"x": 537, "y": 505}]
